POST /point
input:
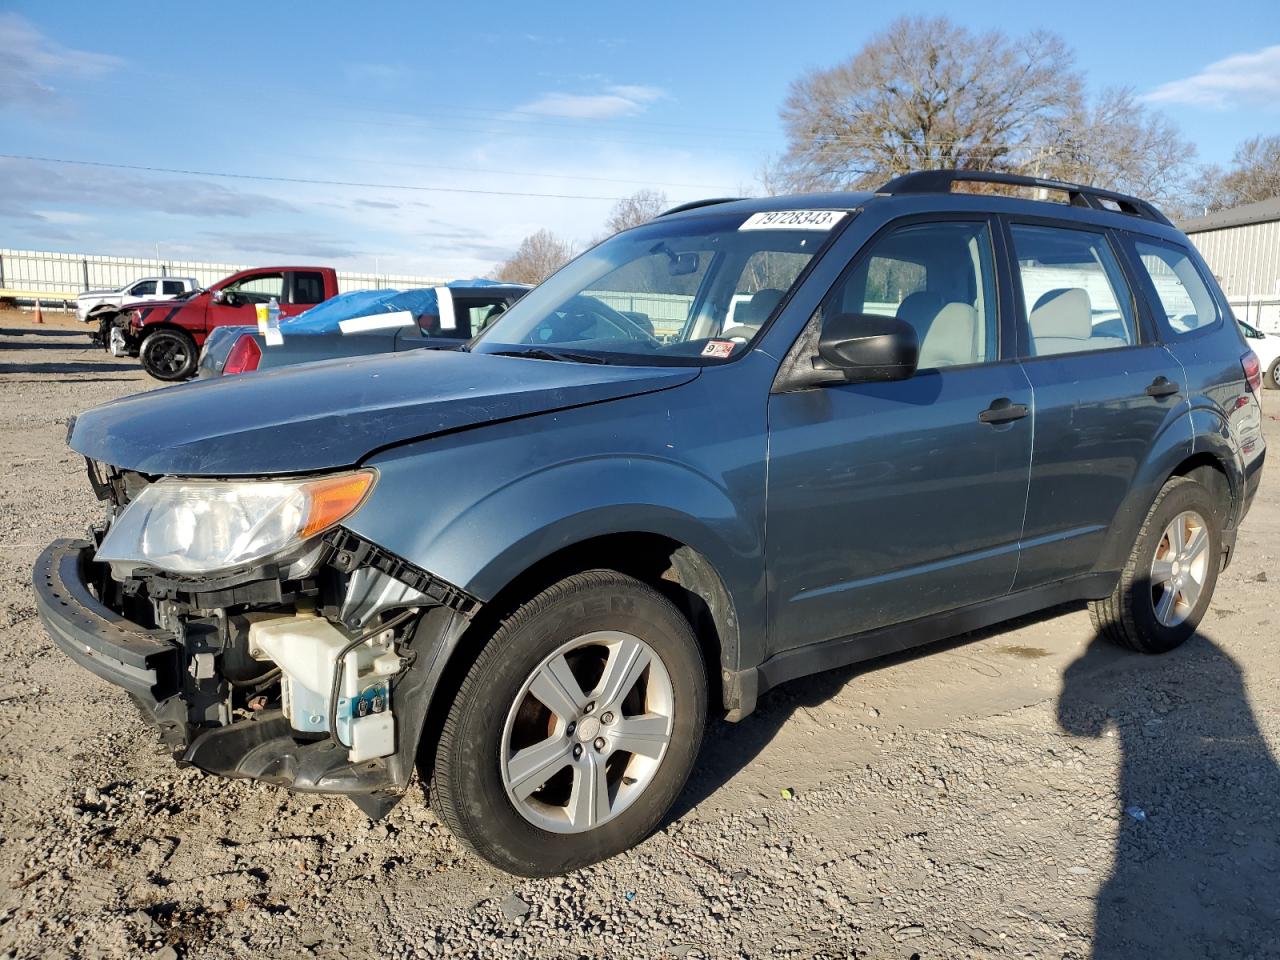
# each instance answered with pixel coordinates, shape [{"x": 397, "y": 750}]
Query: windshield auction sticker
[
  {"x": 794, "y": 220},
  {"x": 720, "y": 349}
]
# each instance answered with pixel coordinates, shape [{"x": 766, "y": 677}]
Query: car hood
[{"x": 332, "y": 414}]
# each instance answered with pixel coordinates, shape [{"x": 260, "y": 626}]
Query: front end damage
[{"x": 314, "y": 674}]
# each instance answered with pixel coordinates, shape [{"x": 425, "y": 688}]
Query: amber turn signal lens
[{"x": 333, "y": 499}]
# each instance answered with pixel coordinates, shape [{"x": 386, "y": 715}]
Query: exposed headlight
[{"x": 204, "y": 526}]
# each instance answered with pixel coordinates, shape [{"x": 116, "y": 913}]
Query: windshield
[{"x": 691, "y": 290}]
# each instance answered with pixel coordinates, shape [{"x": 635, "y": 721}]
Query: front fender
[{"x": 481, "y": 507}]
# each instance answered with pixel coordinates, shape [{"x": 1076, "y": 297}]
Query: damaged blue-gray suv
[{"x": 746, "y": 441}]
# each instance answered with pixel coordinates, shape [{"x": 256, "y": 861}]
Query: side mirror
[
  {"x": 867, "y": 348},
  {"x": 219, "y": 296}
]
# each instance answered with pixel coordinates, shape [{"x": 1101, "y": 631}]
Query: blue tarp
[{"x": 325, "y": 317}]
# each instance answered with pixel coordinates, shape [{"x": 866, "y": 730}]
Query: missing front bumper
[{"x": 151, "y": 665}]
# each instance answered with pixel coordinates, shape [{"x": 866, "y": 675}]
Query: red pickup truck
[{"x": 166, "y": 334}]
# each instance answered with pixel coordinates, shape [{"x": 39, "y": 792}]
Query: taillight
[
  {"x": 1252, "y": 372},
  {"x": 244, "y": 356}
]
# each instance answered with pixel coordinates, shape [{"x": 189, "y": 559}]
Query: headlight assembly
[{"x": 206, "y": 526}]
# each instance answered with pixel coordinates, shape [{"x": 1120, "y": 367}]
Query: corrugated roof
[{"x": 1264, "y": 211}]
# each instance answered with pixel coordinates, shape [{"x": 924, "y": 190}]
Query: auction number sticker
[
  {"x": 794, "y": 220},
  {"x": 720, "y": 349}
]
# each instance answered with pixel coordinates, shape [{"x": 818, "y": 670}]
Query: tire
[
  {"x": 1151, "y": 614},
  {"x": 476, "y": 786},
  {"x": 1275, "y": 374},
  {"x": 169, "y": 355}
]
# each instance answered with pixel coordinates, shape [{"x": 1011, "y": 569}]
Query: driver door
[
  {"x": 239, "y": 309},
  {"x": 891, "y": 501}
]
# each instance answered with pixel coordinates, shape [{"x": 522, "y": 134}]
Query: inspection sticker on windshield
[
  {"x": 794, "y": 220},
  {"x": 719, "y": 349}
]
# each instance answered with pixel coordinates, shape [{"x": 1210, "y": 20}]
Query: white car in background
[
  {"x": 93, "y": 306},
  {"x": 1267, "y": 347}
]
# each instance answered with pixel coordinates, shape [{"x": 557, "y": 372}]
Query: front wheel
[
  {"x": 1275, "y": 374},
  {"x": 1166, "y": 586},
  {"x": 576, "y": 728},
  {"x": 169, "y": 355}
]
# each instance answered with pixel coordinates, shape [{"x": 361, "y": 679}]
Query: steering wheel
[{"x": 593, "y": 305}]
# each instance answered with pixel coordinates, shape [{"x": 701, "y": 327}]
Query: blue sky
[{"x": 455, "y": 113}]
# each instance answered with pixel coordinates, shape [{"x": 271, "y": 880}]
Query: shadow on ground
[
  {"x": 1197, "y": 850},
  {"x": 86, "y": 366},
  {"x": 729, "y": 747}
]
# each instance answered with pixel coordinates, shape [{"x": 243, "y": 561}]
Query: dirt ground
[{"x": 1026, "y": 792}]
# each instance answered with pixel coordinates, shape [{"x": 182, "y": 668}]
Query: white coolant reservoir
[{"x": 306, "y": 649}]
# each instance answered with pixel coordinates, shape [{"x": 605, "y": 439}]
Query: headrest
[
  {"x": 1062, "y": 313},
  {"x": 753, "y": 312},
  {"x": 919, "y": 309}
]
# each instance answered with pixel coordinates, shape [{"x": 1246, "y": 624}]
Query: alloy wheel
[
  {"x": 587, "y": 732},
  {"x": 1179, "y": 568}
]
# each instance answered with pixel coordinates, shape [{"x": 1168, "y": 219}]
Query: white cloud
[
  {"x": 29, "y": 61},
  {"x": 1240, "y": 80},
  {"x": 619, "y": 100}
]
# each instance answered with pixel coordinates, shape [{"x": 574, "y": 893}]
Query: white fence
[{"x": 63, "y": 276}]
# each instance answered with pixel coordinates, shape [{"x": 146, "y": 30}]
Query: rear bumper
[{"x": 144, "y": 662}]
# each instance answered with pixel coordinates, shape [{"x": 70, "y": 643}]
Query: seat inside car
[
  {"x": 1062, "y": 322},
  {"x": 751, "y": 314},
  {"x": 948, "y": 331}
]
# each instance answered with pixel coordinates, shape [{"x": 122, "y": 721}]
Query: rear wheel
[
  {"x": 575, "y": 729},
  {"x": 1275, "y": 373},
  {"x": 1168, "y": 582},
  {"x": 169, "y": 355}
]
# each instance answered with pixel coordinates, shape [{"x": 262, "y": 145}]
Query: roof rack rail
[
  {"x": 941, "y": 181},
  {"x": 695, "y": 204}
]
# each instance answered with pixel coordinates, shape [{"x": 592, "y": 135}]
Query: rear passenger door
[
  {"x": 887, "y": 502},
  {"x": 1104, "y": 388}
]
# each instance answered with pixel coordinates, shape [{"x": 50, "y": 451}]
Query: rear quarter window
[{"x": 1183, "y": 301}]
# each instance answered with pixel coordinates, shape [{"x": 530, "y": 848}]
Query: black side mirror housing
[{"x": 867, "y": 348}]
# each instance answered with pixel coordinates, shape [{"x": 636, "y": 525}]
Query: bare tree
[
  {"x": 538, "y": 256},
  {"x": 641, "y": 207},
  {"x": 1117, "y": 143},
  {"x": 927, "y": 93},
  {"x": 1254, "y": 175}
]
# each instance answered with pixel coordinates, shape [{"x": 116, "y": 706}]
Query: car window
[
  {"x": 146, "y": 288},
  {"x": 1250, "y": 333},
  {"x": 939, "y": 278},
  {"x": 677, "y": 291},
  {"x": 308, "y": 287},
  {"x": 472, "y": 316},
  {"x": 1073, "y": 289},
  {"x": 1184, "y": 297},
  {"x": 171, "y": 287},
  {"x": 260, "y": 288},
  {"x": 765, "y": 276},
  {"x": 645, "y": 292}
]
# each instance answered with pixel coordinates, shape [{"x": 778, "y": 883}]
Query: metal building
[{"x": 1242, "y": 248}]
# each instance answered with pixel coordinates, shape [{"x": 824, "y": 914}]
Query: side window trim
[
  {"x": 1021, "y": 313},
  {"x": 1152, "y": 297}
]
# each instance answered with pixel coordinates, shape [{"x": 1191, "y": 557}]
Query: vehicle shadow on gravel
[
  {"x": 729, "y": 747},
  {"x": 1196, "y": 804},
  {"x": 88, "y": 366}
]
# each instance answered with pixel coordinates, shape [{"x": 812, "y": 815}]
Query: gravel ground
[{"x": 1023, "y": 792}]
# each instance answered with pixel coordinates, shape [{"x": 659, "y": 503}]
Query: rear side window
[
  {"x": 1074, "y": 290},
  {"x": 938, "y": 277},
  {"x": 171, "y": 288},
  {"x": 1184, "y": 297},
  {"x": 308, "y": 287}
]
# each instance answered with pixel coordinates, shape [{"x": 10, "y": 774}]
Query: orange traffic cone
[{"x": 39, "y": 313}]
